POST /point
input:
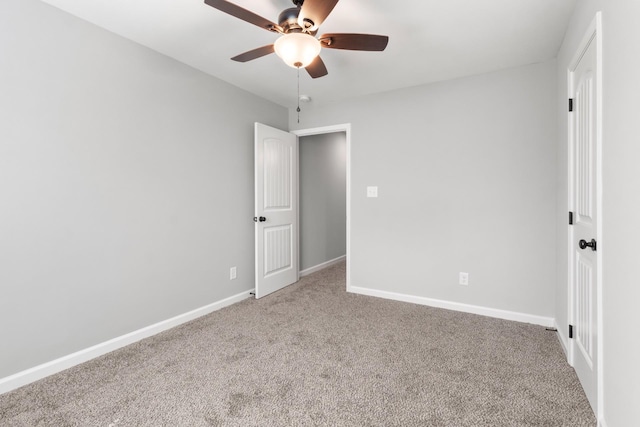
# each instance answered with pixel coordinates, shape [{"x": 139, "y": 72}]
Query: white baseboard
[
  {"x": 49, "y": 368},
  {"x": 322, "y": 266},
  {"x": 456, "y": 306}
]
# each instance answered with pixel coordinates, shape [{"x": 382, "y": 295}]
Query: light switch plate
[{"x": 372, "y": 191}]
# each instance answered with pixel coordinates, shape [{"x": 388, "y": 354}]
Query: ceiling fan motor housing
[{"x": 288, "y": 21}]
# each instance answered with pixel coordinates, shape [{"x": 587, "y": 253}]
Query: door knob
[
  {"x": 584, "y": 244},
  {"x": 261, "y": 219}
]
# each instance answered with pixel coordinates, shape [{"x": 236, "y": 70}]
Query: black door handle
[
  {"x": 584, "y": 244},
  {"x": 261, "y": 219}
]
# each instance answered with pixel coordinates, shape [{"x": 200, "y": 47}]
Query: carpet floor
[{"x": 314, "y": 355}]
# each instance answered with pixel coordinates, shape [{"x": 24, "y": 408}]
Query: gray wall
[
  {"x": 466, "y": 171},
  {"x": 323, "y": 195},
  {"x": 621, "y": 199},
  {"x": 126, "y": 181}
]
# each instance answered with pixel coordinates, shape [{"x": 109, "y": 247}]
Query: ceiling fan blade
[
  {"x": 244, "y": 14},
  {"x": 254, "y": 54},
  {"x": 369, "y": 42},
  {"x": 315, "y": 11},
  {"x": 317, "y": 68}
]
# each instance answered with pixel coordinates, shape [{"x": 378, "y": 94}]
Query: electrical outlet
[
  {"x": 372, "y": 191},
  {"x": 232, "y": 273},
  {"x": 464, "y": 278}
]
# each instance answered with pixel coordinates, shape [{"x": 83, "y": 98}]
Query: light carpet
[{"x": 314, "y": 355}]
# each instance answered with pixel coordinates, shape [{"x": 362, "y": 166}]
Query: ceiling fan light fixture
[{"x": 297, "y": 50}]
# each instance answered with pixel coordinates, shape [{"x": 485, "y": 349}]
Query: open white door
[
  {"x": 586, "y": 204},
  {"x": 276, "y": 209}
]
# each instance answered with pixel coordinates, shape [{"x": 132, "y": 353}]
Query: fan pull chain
[{"x": 298, "y": 109}]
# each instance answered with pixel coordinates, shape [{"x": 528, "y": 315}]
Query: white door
[
  {"x": 276, "y": 209},
  {"x": 585, "y": 204}
]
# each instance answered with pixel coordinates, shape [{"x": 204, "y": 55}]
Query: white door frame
[
  {"x": 346, "y": 128},
  {"x": 593, "y": 34}
]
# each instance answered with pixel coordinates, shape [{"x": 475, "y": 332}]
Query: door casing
[{"x": 346, "y": 128}]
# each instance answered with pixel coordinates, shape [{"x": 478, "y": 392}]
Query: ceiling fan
[{"x": 297, "y": 45}]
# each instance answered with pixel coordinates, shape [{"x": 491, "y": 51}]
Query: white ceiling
[{"x": 429, "y": 40}]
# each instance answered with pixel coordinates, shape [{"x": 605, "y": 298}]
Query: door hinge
[
  {"x": 570, "y": 104},
  {"x": 570, "y": 218},
  {"x": 570, "y": 331}
]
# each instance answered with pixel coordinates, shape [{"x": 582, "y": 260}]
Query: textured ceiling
[{"x": 429, "y": 40}]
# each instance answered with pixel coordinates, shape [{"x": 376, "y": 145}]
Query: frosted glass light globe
[{"x": 297, "y": 49}]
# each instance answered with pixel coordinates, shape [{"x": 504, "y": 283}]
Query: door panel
[
  {"x": 585, "y": 326},
  {"x": 585, "y": 150},
  {"x": 276, "y": 204},
  {"x": 277, "y": 174},
  {"x": 277, "y": 249}
]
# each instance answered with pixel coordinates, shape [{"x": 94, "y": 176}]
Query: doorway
[{"x": 324, "y": 200}]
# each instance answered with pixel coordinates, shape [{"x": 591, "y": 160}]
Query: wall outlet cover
[{"x": 464, "y": 279}]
